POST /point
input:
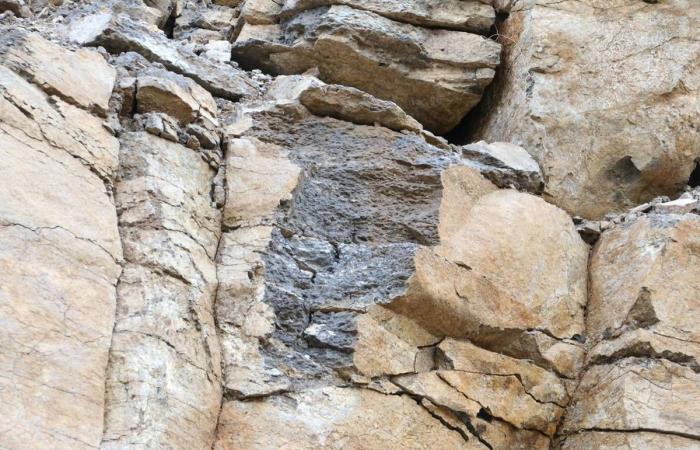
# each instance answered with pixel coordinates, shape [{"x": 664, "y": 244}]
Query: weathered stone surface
[
  {"x": 17, "y": 7},
  {"x": 542, "y": 385},
  {"x": 119, "y": 33},
  {"x": 645, "y": 274},
  {"x": 639, "y": 440},
  {"x": 82, "y": 78},
  {"x": 59, "y": 255},
  {"x": 481, "y": 289},
  {"x": 466, "y": 15},
  {"x": 506, "y": 165},
  {"x": 178, "y": 96},
  {"x": 200, "y": 23},
  {"x": 62, "y": 126},
  {"x": 355, "y": 106},
  {"x": 591, "y": 116},
  {"x": 434, "y": 75},
  {"x": 163, "y": 386},
  {"x": 333, "y": 418},
  {"x": 636, "y": 394}
]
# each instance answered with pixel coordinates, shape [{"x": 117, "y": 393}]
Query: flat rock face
[
  {"x": 628, "y": 441},
  {"x": 334, "y": 418},
  {"x": 59, "y": 250},
  {"x": 436, "y": 76},
  {"x": 642, "y": 366},
  {"x": 609, "y": 125},
  {"x": 464, "y": 15}
]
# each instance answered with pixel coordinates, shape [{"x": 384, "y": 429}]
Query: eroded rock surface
[
  {"x": 197, "y": 255},
  {"x": 435, "y": 75},
  {"x": 608, "y": 106},
  {"x": 59, "y": 248}
]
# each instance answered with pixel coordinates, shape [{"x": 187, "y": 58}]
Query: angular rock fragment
[
  {"x": 644, "y": 274},
  {"x": 504, "y": 164},
  {"x": 82, "y": 78},
  {"x": 119, "y": 33},
  {"x": 591, "y": 116},
  {"x": 636, "y": 394},
  {"x": 436, "y": 76},
  {"x": 175, "y": 95},
  {"x": 355, "y": 106},
  {"x": 466, "y": 15}
]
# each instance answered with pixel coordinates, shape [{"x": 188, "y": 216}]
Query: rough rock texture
[
  {"x": 163, "y": 379},
  {"x": 59, "y": 250},
  {"x": 334, "y": 418},
  {"x": 604, "y": 95},
  {"x": 437, "y": 76},
  {"x": 197, "y": 255}
]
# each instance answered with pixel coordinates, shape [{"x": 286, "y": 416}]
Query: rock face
[
  {"x": 435, "y": 75},
  {"x": 59, "y": 247},
  {"x": 610, "y": 126},
  {"x": 196, "y": 254},
  {"x": 642, "y": 366}
]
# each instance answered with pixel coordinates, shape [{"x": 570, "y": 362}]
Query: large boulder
[{"x": 606, "y": 99}]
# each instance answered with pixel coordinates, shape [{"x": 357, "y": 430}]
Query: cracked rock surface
[{"x": 349, "y": 224}]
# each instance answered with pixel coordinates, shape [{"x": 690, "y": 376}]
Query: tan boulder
[
  {"x": 636, "y": 394},
  {"x": 333, "y": 418},
  {"x": 504, "y": 233},
  {"x": 175, "y": 95},
  {"x": 82, "y": 78},
  {"x": 583, "y": 91},
  {"x": 475, "y": 282},
  {"x": 645, "y": 274}
]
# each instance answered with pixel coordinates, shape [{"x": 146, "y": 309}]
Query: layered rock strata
[{"x": 197, "y": 255}]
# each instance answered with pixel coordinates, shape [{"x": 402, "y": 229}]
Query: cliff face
[{"x": 235, "y": 225}]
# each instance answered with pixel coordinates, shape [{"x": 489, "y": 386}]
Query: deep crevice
[
  {"x": 694, "y": 180},
  {"x": 467, "y": 130}
]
